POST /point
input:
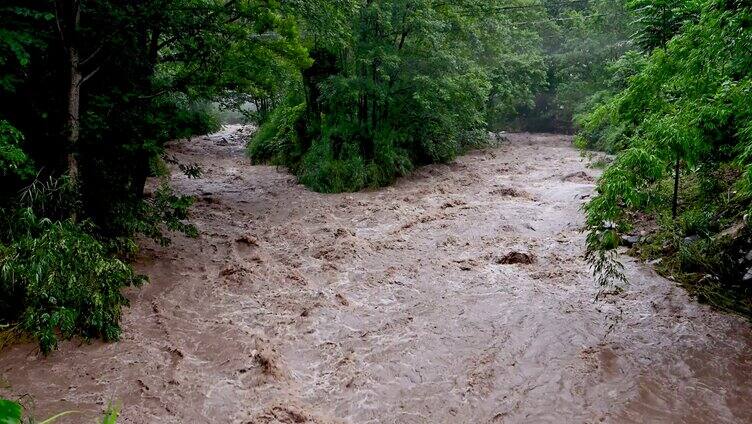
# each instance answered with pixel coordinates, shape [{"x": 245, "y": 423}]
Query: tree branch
[
  {"x": 91, "y": 56},
  {"x": 89, "y": 75},
  {"x": 58, "y": 12}
]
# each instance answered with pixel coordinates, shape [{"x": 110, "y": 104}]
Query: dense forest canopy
[
  {"x": 350, "y": 94},
  {"x": 403, "y": 83}
]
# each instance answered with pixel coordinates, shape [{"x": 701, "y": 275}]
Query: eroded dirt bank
[{"x": 395, "y": 307}]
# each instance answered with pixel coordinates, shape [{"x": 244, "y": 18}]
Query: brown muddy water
[{"x": 395, "y": 306}]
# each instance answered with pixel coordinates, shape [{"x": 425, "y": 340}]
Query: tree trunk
[
  {"x": 675, "y": 204},
  {"x": 74, "y": 113},
  {"x": 68, "y": 16},
  {"x": 374, "y": 105}
]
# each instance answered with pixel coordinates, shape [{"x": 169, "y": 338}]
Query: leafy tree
[
  {"x": 399, "y": 84},
  {"x": 659, "y": 20},
  {"x": 580, "y": 40},
  {"x": 89, "y": 93},
  {"x": 685, "y": 110}
]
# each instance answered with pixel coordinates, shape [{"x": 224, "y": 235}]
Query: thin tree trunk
[
  {"x": 374, "y": 103},
  {"x": 68, "y": 18},
  {"x": 74, "y": 113},
  {"x": 675, "y": 204}
]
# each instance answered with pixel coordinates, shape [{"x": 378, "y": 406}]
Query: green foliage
[
  {"x": 163, "y": 210},
  {"x": 57, "y": 279},
  {"x": 325, "y": 173},
  {"x": 12, "y": 413},
  {"x": 696, "y": 221},
  {"x": 658, "y": 21},
  {"x": 706, "y": 256},
  {"x": 16, "y": 41},
  {"x": 398, "y": 84},
  {"x": 149, "y": 72},
  {"x": 684, "y": 101},
  {"x": 13, "y": 160},
  {"x": 195, "y": 118},
  {"x": 277, "y": 139},
  {"x": 598, "y": 119},
  {"x": 581, "y": 41},
  {"x": 111, "y": 414}
]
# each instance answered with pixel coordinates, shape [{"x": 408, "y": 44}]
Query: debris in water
[
  {"x": 512, "y": 258},
  {"x": 578, "y": 177}
]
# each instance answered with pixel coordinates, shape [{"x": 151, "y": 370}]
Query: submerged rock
[
  {"x": 578, "y": 177},
  {"x": 516, "y": 258}
]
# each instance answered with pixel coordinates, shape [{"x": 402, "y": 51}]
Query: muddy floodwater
[{"x": 396, "y": 306}]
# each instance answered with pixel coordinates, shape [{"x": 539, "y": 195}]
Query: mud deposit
[{"x": 457, "y": 296}]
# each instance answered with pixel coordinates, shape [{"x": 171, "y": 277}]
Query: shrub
[
  {"x": 707, "y": 256},
  {"x": 390, "y": 160},
  {"x": 696, "y": 221},
  {"x": 325, "y": 173},
  {"x": 164, "y": 210},
  {"x": 56, "y": 280},
  {"x": 193, "y": 118},
  {"x": 277, "y": 139}
]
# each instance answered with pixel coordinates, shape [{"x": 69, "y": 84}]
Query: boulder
[
  {"x": 516, "y": 258},
  {"x": 629, "y": 241}
]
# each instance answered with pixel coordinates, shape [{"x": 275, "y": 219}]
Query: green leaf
[
  {"x": 10, "y": 412},
  {"x": 111, "y": 416},
  {"x": 56, "y": 417}
]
